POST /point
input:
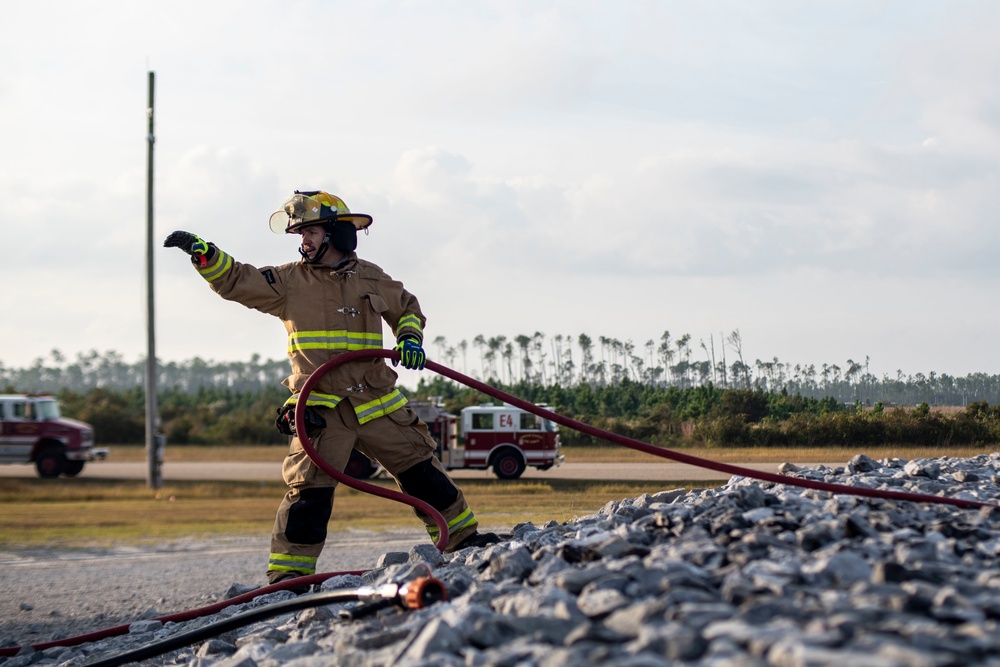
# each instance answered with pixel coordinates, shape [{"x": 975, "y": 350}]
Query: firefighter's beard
[{"x": 318, "y": 254}]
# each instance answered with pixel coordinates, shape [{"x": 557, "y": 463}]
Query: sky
[{"x": 820, "y": 176}]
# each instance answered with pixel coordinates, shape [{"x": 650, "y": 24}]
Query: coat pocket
[{"x": 377, "y": 303}]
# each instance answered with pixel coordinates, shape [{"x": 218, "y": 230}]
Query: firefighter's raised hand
[
  {"x": 193, "y": 245},
  {"x": 411, "y": 354}
]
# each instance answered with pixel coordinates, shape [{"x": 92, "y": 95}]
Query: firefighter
[{"x": 332, "y": 301}]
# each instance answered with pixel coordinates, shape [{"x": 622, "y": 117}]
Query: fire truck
[
  {"x": 502, "y": 437},
  {"x": 32, "y": 430}
]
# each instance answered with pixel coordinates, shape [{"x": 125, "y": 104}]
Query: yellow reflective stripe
[
  {"x": 380, "y": 406},
  {"x": 412, "y": 321},
  {"x": 287, "y": 563},
  {"x": 316, "y": 398},
  {"x": 334, "y": 340},
  {"x": 463, "y": 520},
  {"x": 223, "y": 262},
  {"x": 366, "y": 412}
]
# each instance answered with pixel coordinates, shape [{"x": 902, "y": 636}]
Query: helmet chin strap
[{"x": 319, "y": 251}]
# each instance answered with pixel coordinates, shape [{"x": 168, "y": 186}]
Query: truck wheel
[
  {"x": 50, "y": 463},
  {"x": 359, "y": 466},
  {"x": 73, "y": 468},
  {"x": 508, "y": 465}
]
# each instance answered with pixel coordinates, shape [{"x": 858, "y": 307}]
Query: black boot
[
  {"x": 298, "y": 590},
  {"x": 477, "y": 540}
]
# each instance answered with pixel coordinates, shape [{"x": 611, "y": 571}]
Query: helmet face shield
[
  {"x": 310, "y": 208},
  {"x": 298, "y": 211}
]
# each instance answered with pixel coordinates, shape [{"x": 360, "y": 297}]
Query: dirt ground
[{"x": 51, "y": 594}]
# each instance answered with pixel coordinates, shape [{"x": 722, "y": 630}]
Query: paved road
[{"x": 242, "y": 471}]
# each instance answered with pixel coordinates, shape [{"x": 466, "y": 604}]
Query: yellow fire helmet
[{"x": 312, "y": 207}]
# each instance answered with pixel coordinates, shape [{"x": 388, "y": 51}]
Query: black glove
[
  {"x": 199, "y": 250},
  {"x": 286, "y": 421}
]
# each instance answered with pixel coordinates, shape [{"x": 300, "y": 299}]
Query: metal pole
[{"x": 154, "y": 453}]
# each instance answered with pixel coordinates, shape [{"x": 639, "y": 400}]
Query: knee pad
[
  {"x": 429, "y": 484},
  {"x": 309, "y": 515}
]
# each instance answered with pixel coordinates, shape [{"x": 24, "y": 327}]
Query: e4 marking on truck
[{"x": 502, "y": 437}]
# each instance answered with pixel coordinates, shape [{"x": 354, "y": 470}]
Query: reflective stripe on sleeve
[
  {"x": 223, "y": 262},
  {"x": 287, "y": 563},
  {"x": 409, "y": 321}
]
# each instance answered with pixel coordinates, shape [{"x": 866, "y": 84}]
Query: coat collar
[{"x": 350, "y": 258}]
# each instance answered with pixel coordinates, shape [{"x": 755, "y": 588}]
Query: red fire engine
[
  {"x": 502, "y": 437},
  {"x": 32, "y": 430}
]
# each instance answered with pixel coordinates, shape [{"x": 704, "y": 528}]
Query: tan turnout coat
[{"x": 327, "y": 311}]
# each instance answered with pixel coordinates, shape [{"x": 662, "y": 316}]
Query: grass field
[
  {"x": 89, "y": 512},
  {"x": 92, "y": 512},
  {"x": 608, "y": 454}
]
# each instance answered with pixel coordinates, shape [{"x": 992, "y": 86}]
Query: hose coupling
[{"x": 415, "y": 589}]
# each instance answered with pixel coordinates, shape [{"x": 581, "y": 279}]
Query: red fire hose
[
  {"x": 343, "y": 478},
  {"x": 439, "y": 520},
  {"x": 662, "y": 452},
  {"x": 408, "y": 593}
]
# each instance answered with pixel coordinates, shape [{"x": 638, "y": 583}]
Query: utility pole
[{"x": 154, "y": 442}]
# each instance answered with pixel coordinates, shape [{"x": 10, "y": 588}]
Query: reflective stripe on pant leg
[
  {"x": 464, "y": 520},
  {"x": 297, "y": 564},
  {"x": 288, "y": 556},
  {"x": 380, "y": 407},
  {"x": 300, "y": 524}
]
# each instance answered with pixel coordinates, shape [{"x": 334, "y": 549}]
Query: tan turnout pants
[{"x": 400, "y": 442}]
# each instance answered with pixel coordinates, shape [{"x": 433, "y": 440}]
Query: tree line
[
  {"x": 560, "y": 360},
  {"x": 702, "y": 416},
  {"x": 202, "y": 402},
  {"x": 711, "y": 416}
]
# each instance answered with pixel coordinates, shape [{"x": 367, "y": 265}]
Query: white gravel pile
[{"x": 750, "y": 574}]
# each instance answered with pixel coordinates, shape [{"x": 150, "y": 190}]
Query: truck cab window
[
  {"x": 482, "y": 420},
  {"x": 530, "y": 422},
  {"x": 47, "y": 410}
]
